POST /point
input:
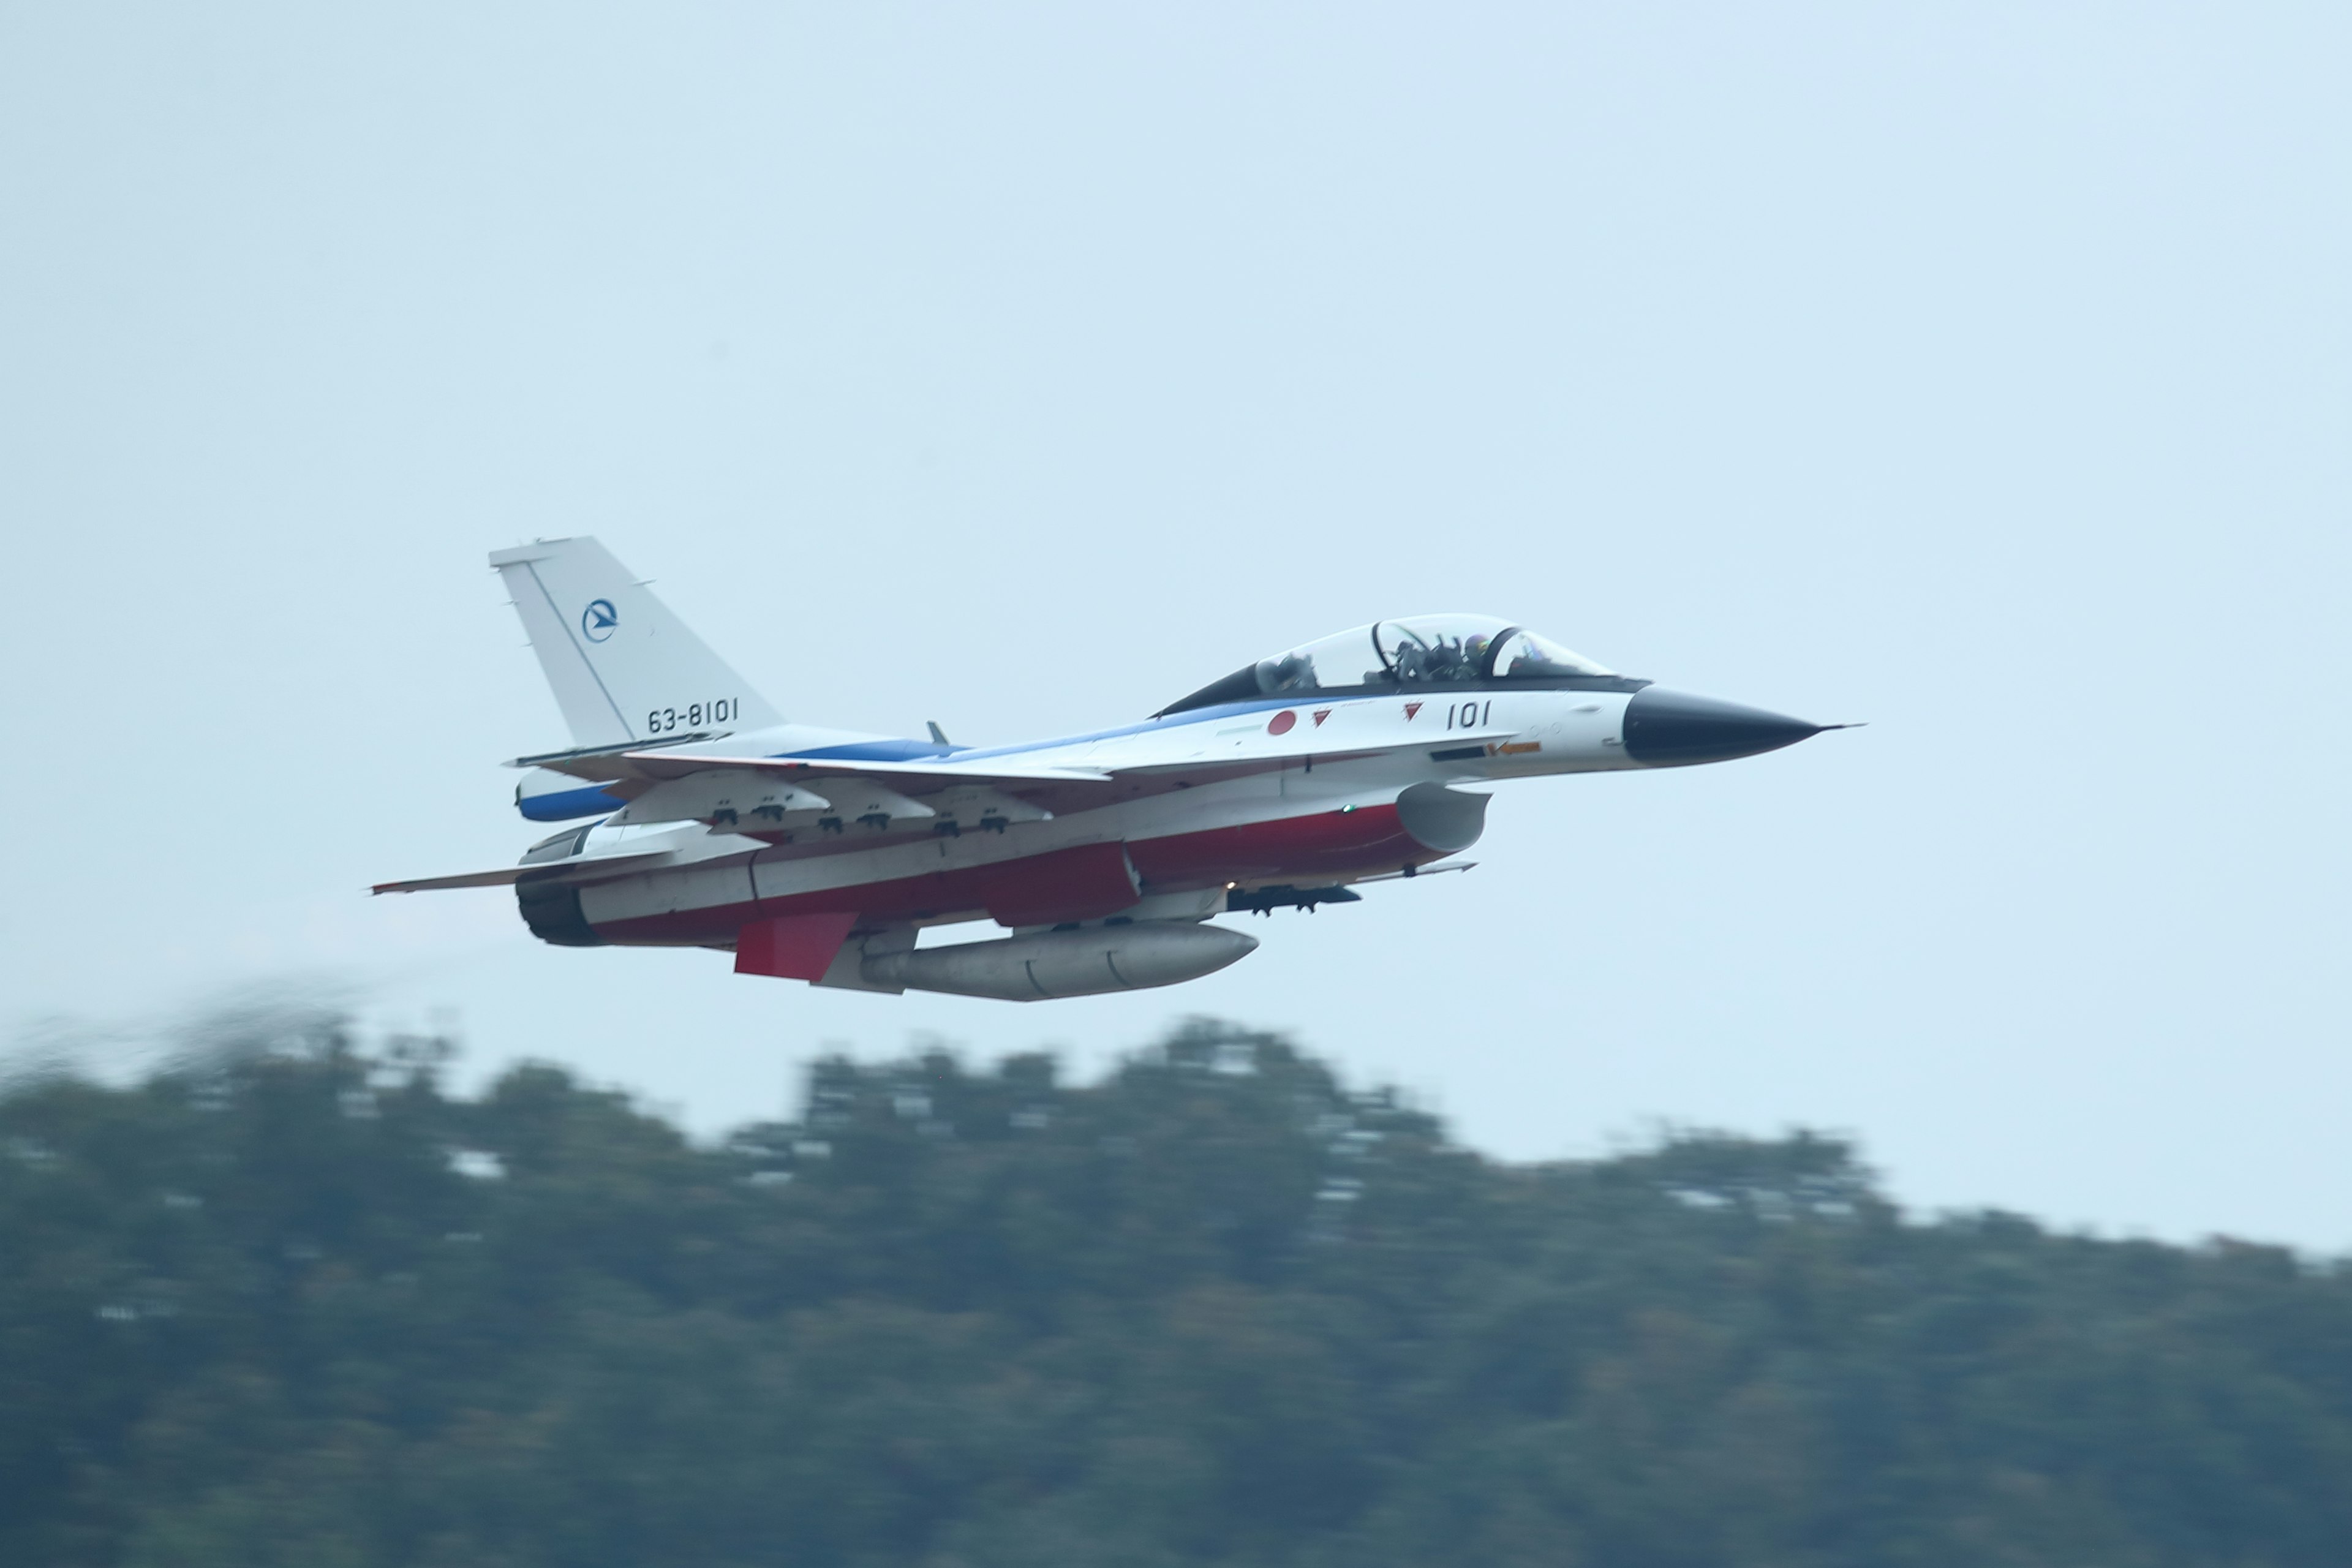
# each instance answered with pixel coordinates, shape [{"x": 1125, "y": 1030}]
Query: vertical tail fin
[{"x": 622, "y": 667}]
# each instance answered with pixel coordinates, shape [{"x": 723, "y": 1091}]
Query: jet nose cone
[{"x": 1674, "y": 728}]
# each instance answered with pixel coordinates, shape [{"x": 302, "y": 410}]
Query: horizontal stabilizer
[
  {"x": 584, "y": 761},
  {"x": 587, "y": 868}
]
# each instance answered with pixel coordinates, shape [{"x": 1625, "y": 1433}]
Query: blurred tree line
[{"x": 305, "y": 1306}]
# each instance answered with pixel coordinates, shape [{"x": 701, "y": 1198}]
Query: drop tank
[{"x": 1086, "y": 962}]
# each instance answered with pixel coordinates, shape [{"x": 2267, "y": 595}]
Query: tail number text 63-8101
[{"x": 694, "y": 715}]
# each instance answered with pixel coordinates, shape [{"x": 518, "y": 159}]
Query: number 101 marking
[{"x": 1469, "y": 715}]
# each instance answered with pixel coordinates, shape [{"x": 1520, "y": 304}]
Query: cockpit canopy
[{"x": 1413, "y": 651}]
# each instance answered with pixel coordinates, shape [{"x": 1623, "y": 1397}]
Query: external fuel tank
[{"x": 1089, "y": 961}]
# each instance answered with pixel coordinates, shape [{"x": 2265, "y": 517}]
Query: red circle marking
[{"x": 1281, "y": 722}]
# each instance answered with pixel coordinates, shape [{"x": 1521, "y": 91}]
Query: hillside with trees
[{"x": 305, "y": 1305}]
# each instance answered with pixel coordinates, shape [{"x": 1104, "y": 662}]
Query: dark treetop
[{"x": 307, "y": 1308}]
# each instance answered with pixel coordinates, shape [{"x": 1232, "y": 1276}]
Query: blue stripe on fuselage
[
  {"x": 918, "y": 751},
  {"x": 878, "y": 751},
  {"x": 1173, "y": 720},
  {"x": 566, "y": 805}
]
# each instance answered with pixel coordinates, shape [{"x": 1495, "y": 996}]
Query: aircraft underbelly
[{"x": 1007, "y": 879}]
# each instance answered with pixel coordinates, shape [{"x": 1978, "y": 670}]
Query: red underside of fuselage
[{"x": 1295, "y": 849}]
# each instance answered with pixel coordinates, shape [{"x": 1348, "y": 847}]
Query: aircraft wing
[
  {"x": 1236, "y": 750},
  {"x": 1151, "y": 762},
  {"x": 665, "y": 783},
  {"x": 770, "y": 792},
  {"x": 942, "y": 773},
  {"x": 647, "y": 765}
]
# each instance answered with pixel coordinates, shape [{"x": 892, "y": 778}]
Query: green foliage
[{"x": 308, "y": 1307}]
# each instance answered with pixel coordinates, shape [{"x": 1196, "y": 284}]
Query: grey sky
[{"x": 1984, "y": 372}]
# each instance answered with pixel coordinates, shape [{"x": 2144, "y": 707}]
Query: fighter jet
[{"x": 697, "y": 815}]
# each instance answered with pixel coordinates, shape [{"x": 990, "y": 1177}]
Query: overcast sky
[{"x": 1980, "y": 371}]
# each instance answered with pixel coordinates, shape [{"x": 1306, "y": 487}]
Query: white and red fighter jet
[{"x": 820, "y": 855}]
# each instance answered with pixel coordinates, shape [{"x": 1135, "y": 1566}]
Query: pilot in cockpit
[
  {"x": 1291, "y": 672},
  {"x": 1443, "y": 660}
]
